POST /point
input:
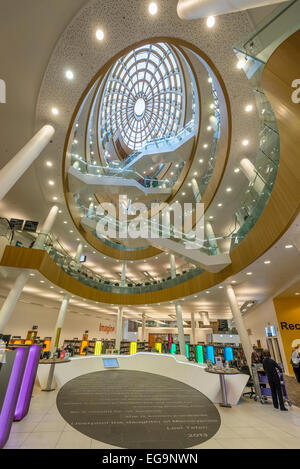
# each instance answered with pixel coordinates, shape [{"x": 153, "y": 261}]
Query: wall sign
[
  {"x": 16, "y": 224},
  {"x": 106, "y": 329},
  {"x": 30, "y": 226}
]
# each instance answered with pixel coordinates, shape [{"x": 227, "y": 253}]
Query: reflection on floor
[{"x": 248, "y": 425}]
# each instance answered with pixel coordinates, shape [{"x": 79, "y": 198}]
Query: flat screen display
[
  {"x": 110, "y": 363},
  {"x": 83, "y": 259}
]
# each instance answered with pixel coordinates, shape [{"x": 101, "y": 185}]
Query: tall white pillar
[
  {"x": 193, "y": 336},
  {"x": 143, "y": 326},
  {"x": 196, "y": 191},
  {"x": 211, "y": 237},
  {"x": 47, "y": 227},
  {"x": 59, "y": 323},
  {"x": 123, "y": 275},
  {"x": 251, "y": 174},
  {"x": 172, "y": 266},
  {"x": 193, "y": 9},
  {"x": 180, "y": 329},
  {"x": 12, "y": 299},
  {"x": 63, "y": 310},
  {"x": 17, "y": 166},
  {"x": 91, "y": 210},
  {"x": 78, "y": 252},
  {"x": 239, "y": 323},
  {"x": 119, "y": 329},
  {"x": 205, "y": 318}
]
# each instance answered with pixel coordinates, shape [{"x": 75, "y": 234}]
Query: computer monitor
[{"x": 110, "y": 362}]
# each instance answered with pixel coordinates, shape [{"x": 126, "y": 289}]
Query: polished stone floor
[{"x": 249, "y": 425}]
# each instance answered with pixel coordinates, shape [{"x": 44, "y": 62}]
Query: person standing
[
  {"x": 271, "y": 367},
  {"x": 295, "y": 361}
]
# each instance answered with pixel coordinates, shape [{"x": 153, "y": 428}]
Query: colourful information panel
[
  {"x": 199, "y": 354},
  {"x": 210, "y": 353},
  {"x": 228, "y": 354}
]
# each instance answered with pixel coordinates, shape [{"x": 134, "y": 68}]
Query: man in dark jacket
[{"x": 271, "y": 367}]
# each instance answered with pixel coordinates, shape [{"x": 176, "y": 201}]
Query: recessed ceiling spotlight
[
  {"x": 153, "y": 8},
  {"x": 228, "y": 189},
  {"x": 210, "y": 21},
  {"x": 55, "y": 111},
  {"x": 211, "y": 217},
  {"x": 220, "y": 287},
  {"x": 195, "y": 173},
  {"x": 65, "y": 222},
  {"x": 241, "y": 63},
  {"x": 289, "y": 246},
  {"x": 59, "y": 211},
  {"x": 249, "y": 108},
  {"x": 212, "y": 106},
  {"x": 205, "y": 145},
  {"x": 51, "y": 183},
  {"x": 42, "y": 281},
  {"x": 249, "y": 273},
  {"x": 208, "y": 292},
  {"x": 201, "y": 161},
  {"x": 220, "y": 205},
  {"x": 32, "y": 275},
  {"x": 69, "y": 75},
  {"x": 297, "y": 293},
  {"x": 267, "y": 262},
  {"x": 233, "y": 281},
  {"x": 183, "y": 193},
  {"x": 245, "y": 143},
  {"x": 237, "y": 170},
  {"x": 49, "y": 164},
  {"x": 51, "y": 288},
  {"x": 209, "y": 128},
  {"x": 209, "y": 80},
  {"x": 99, "y": 34},
  {"x": 54, "y": 198}
]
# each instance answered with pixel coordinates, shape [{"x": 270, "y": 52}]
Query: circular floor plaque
[{"x": 137, "y": 410}]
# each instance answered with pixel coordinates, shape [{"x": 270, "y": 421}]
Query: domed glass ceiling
[{"x": 143, "y": 96}]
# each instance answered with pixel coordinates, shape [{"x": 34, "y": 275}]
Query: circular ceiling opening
[{"x": 139, "y": 108}]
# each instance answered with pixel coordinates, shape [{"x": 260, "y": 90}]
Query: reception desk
[{"x": 171, "y": 366}]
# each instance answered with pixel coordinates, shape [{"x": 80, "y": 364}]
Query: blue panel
[
  {"x": 210, "y": 353},
  {"x": 228, "y": 354}
]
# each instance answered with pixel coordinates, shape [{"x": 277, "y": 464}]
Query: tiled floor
[{"x": 248, "y": 425}]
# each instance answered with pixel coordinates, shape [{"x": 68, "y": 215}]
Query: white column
[
  {"x": 180, "y": 329},
  {"x": 172, "y": 266},
  {"x": 78, "y": 252},
  {"x": 211, "y": 237},
  {"x": 251, "y": 174},
  {"x": 119, "y": 328},
  {"x": 193, "y": 9},
  {"x": 91, "y": 210},
  {"x": 196, "y": 191},
  {"x": 239, "y": 324},
  {"x": 17, "y": 166},
  {"x": 12, "y": 299},
  {"x": 143, "y": 326},
  {"x": 47, "y": 227},
  {"x": 59, "y": 323},
  {"x": 193, "y": 335},
  {"x": 205, "y": 318},
  {"x": 123, "y": 275}
]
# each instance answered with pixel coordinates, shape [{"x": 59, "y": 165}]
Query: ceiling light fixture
[
  {"x": 245, "y": 143},
  {"x": 288, "y": 246},
  {"x": 228, "y": 189},
  {"x": 55, "y": 111},
  {"x": 210, "y": 21},
  {"x": 153, "y": 8},
  {"x": 51, "y": 183},
  {"x": 248, "y": 108},
  {"x": 49, "y": 164},
  {"x": 69, "y": 75},
  {"x": 99, "y": 34}
]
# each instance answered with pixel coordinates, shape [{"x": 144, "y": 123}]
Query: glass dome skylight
[{"x": 143, "y": 97}]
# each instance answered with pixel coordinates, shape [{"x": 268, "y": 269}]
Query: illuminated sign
[
  {"x": 199, "y": 354},
  {"x": 98, "y": 347},
  {"x": 158, "y": 347},
  {"x": 133, "y": 348}
]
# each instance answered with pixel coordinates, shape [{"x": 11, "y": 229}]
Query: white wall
[{"x": 26, "y": 315}]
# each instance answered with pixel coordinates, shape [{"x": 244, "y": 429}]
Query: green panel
[
  {"x": 199, "y": 354},
  {"x": 173, "y": 349},
  {"x": 187, "y": 351}
]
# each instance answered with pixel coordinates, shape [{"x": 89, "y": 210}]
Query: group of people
[{"x": 271, "y": 369}]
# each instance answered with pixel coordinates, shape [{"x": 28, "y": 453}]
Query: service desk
[{"x": 171, "y": 366}]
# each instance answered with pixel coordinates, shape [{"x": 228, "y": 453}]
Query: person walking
[
  {"x": 271, "y": 367},
  {"x": 295, "y": 361}
]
